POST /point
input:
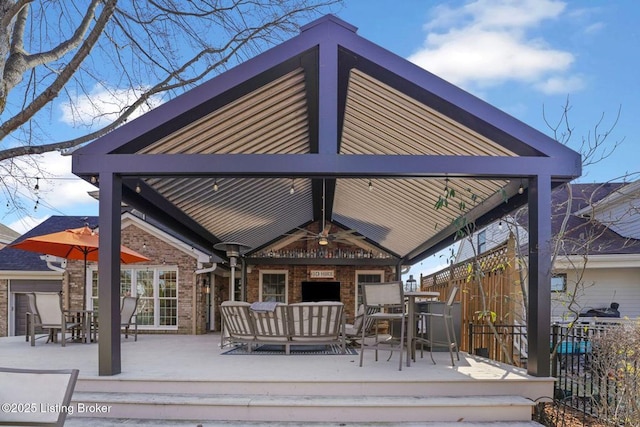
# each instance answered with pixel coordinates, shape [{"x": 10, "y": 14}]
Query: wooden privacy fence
[{"x": 490, "y": 289}]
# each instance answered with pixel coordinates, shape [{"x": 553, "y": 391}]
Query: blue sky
[{"x": 521, "y": 56}]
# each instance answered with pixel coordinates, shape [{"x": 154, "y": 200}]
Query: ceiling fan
[{"x": 325, "y": 236}]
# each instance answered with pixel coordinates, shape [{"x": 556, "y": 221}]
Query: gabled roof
[
  {"x": 19, "y": 260},
  {"x": 583, "y": 230},
  {"x": 325, "y": 109}
]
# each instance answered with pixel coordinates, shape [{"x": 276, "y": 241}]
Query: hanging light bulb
[
  {"x": 37, "y": 187},
  {"x": 215, "y": 185},
  {"x": 93, "y": 179},
  {"x": 292, "y": 189},
  {"x": 520, "y": 189},
  {"x": 138, "y": 189},
  {"x": 500, "y": 225},
  {"x": 370, "y": 186}
]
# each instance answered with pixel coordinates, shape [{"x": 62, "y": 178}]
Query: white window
[
  {"x": 274, "y": 285},
  {"x": 482, "y": 241},
  {"x": 366, "y": 276},
  {"x": 157, "y": 290}
]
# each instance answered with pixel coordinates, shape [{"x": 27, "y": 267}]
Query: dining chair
[
  {"x": 426, "y": 335},
  {"x": 48, "y": 306},
  {"x": 388, "y": 300},
  {"x": 353, "y": 331},
  {"x": 128, "y": 309}
]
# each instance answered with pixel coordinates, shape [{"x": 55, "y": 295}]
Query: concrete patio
[{"x": 178, "y": 377}]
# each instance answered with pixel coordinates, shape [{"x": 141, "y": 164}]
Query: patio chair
[
  {"x": 237, "y": 324},
  {"x": 48, "y": 306},
  {"x": 353, "y": 331},
  {"x": 34, "y": 389},
  {"x": 32, "y": 318},
  {"x": 128, "y": 308},
  {"x": 426, "y": 335},
  {"x": 388, "y": 299}
]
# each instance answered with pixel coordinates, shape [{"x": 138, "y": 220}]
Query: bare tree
[
  {"x": 574, "y": 240},
  {"x": 137, "y": 54}
]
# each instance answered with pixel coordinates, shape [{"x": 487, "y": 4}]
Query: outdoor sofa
[{"x": 299, "y": 324}]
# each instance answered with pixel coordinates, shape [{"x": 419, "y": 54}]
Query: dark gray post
[
  {"x": 539, "y": 319},
  {"x": 109, "y": 358},
  {"x": 328, "y": 96}
]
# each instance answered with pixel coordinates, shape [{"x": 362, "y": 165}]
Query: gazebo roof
[{"x": 330, "y": 109}]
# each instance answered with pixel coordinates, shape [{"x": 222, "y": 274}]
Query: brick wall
[
  {"x": 191, "y": 298},
  {"x": 301, "y": 273}
]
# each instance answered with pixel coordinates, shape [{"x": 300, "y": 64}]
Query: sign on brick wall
[{"x": 322, "y": 274}]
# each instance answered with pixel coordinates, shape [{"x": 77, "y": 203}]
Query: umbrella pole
[{"x": 84, "y": 284}]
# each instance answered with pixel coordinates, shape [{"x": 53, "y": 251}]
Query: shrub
[{"x": 615, "y": 367}]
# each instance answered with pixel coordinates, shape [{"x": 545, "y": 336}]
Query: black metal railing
[
  {"x": 571, "y": 365},
  {"x": 504, "y": 343},
  {"x": 579, "y": 385}
]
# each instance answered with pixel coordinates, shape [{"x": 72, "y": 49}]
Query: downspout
[
  {"x": 207, "y": 270},
  {"x": 196, "y": 287},
  {"x": 51, "y": 259},
  {"x": 399, "y": 270}
]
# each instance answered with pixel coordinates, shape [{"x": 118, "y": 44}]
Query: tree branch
[{"x": 54, "y": 89}]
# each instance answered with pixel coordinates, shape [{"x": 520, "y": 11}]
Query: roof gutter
[
  {"x": 50, "y": 259},
  {"x": 207, "y": 269}
]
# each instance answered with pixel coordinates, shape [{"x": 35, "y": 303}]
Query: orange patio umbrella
[{"x": 77, "y": 243}]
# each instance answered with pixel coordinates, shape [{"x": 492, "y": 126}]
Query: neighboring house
[
  {"x": 598, "y": 256},
  {"x": 7, "y": 235},
  {"x": 173, "y": 286}
]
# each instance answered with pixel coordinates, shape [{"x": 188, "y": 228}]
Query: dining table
[{"x": 86, "y": 320}]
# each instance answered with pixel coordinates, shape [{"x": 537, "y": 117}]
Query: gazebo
[{"x": 326, "y": 124}]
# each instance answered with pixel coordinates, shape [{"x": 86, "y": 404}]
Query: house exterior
[
  {"x": 181, "y": 287},
  {"x": 172, "y": 298},
  {"x": 7, "y": 235},
  {"x": 598, "y": 255}
]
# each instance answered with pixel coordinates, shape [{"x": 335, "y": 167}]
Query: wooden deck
[{"x": 188, "y": 377}]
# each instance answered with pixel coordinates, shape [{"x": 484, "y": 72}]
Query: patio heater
[
  {"x": 233, "y": 251},
  {"x": 410, "y": 284}
]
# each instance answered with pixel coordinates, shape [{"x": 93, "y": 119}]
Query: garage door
[{"x": 20, "y": 302}]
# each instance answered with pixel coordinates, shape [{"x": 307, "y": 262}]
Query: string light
[
  {"x": 93, "y": 179},
  {"x": 215, "y": 185},
  {"x": 520, "y": 189},
  {"x": 138, "y": 189},
  {"x": 292, "y": 189},
  {"x": 370, "y": 186},
  {"x": 37, "y": 187}
]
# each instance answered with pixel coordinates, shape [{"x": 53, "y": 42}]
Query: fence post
[{"x": 554, "y": 344}]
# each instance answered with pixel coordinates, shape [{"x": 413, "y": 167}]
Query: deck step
[{"x": 336, "y": 409}]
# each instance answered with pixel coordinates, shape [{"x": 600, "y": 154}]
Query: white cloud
[
  {"x": 25, "y": 224},
  {"x": 103, "y": 105},
  {"x": 560, "y": 85},
  {"x": 65, "y": 191},
  {"x": 60, "y": 192},
  {"x": 485, "y": 43}
]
